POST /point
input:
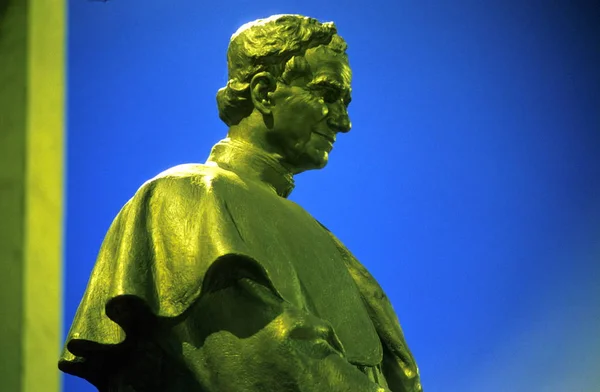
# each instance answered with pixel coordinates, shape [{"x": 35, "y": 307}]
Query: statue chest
[{"x": 309, "y": 270}]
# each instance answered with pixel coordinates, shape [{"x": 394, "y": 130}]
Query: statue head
[{"x": 288, "y": 89}]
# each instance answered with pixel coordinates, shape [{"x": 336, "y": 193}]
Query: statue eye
[
  {"x": 331, "y": 95},
  {"x": 347, "y": 101}
]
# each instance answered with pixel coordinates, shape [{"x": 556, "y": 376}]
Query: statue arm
[{"x": 247, "y": 339}]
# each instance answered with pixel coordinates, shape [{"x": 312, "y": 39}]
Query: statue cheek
[
  {"x": 316, "y": 109},
  {"x": 306, "y": 110},
  {"x": 323, "y": 108}
]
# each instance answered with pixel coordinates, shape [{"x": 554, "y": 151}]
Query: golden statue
[{"x": 211, "y": 280}]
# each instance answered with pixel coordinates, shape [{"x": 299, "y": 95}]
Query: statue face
[{"x": 309, "y": 111}]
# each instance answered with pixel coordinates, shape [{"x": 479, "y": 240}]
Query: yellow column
[
  {"x": 44, "y": 195},
  {"x": 32, "y": 100}
]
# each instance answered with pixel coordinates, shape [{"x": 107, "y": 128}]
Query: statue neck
[{"x": 246, "y": 160}]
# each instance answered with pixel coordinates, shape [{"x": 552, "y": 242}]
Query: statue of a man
[{"x": 210, "y": 279}]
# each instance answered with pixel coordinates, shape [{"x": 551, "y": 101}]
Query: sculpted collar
[{"x": 248, "y": 161}]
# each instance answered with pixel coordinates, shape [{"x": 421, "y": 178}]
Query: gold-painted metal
[{"x": 210, "y": 279}]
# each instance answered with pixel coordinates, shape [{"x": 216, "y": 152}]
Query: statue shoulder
[{"x": 184, "y": 181}]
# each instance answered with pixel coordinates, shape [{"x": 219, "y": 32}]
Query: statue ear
[{"x": 261, "y": 85}]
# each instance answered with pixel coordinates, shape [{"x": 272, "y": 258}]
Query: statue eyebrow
[{"x": 324, "y": 82}]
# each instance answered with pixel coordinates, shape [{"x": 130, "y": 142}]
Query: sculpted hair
[{"x": 276, "y": 45}]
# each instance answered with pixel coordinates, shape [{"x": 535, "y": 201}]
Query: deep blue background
[{"x": 469, "y": 185}]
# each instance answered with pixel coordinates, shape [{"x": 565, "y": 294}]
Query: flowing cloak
[{"x": 195, "y": 227}]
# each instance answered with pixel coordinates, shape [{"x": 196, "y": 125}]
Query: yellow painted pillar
[{"x": 32, "y": 101}]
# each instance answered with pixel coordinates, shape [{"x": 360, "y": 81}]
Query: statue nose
[{"x": 339, "y": 124}]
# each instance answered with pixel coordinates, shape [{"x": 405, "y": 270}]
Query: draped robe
[{"x": 210, "y": 279}]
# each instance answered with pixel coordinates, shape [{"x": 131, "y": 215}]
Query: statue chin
[
  {"x": 312, "y": 163},
  {"x": 316, "y": 157}
]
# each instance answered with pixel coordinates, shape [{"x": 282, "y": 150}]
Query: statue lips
[{"x": 330, "y": 137}]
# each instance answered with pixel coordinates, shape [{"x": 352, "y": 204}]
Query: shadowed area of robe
[{"x": 209, "y": 279}]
